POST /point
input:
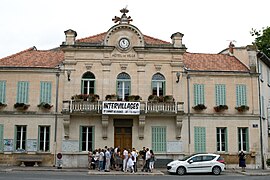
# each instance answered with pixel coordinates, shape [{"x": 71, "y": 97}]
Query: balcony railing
[{"x": 145, "y": 107}]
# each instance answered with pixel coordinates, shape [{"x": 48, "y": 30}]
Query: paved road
[{"x": 49, "y": 175}]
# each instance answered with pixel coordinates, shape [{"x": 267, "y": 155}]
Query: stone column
[
  {"x": 105, "y": 123},
  {"x": 179, "y": 124},
  {"x": 141, "y": 126},
  {"x": 66, "y": 123}
]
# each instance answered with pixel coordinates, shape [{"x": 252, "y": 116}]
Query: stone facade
[{"x": 122, "y": 59}]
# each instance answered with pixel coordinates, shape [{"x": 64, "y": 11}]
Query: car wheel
[
  {"x": 216, "y": 170},
  {"x": 181, "y": 170}
]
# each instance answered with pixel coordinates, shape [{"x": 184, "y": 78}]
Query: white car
[{"x": 198, "y": 163}]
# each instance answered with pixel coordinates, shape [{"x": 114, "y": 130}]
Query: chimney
[
  {"x": 177, "y": 39},
  {"x": 231, "y": 46},
  {"x": 70, "y": 37}
]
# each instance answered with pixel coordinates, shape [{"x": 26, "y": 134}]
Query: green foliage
[
  {"x": 262, "y": 39},
  {"x": 268, "y": 162}
]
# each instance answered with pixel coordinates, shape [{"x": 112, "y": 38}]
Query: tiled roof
[
  {"x": 34, "y": 58},
  {"x": 99, "y": 38},
  {"x": 213, "y": 62}
]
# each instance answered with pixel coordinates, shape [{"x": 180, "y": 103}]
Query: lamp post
[{"x": 56, "y": 114}]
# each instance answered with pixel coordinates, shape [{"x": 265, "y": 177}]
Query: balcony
[{"x": 145, "y": 107}]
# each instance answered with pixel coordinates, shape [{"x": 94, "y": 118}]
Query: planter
[
  {"x": 111, "y": 97},
  {"x": 199, "y": 107},
  {"x": 93, "y": 98},
  {"x": 21, "y": 106},
  {"x": 220, "y": 108},
  {"x": 153, "y": 98},
  {"x": 134, "y": 98},
  {"x": 242, "y": 108},
  {"x": 2, "y": 105},
  {"x": 44, "y": 105},
  {"x": 82, "y": 97},
  {"x": 168, "y": 98}
]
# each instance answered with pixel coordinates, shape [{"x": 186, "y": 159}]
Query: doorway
[{"x": 123, "y": 133}]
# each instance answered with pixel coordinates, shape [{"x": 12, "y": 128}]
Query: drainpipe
[
  {"x": 56, "y": 114},
  {"x": 188, "y": 103},
  {"x": 261, "y": 124}
]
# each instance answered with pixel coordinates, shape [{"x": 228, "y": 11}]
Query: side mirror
[{"x": 190, "y": 161}]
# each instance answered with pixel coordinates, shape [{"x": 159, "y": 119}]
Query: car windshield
[{"x": 185, "y": 158}]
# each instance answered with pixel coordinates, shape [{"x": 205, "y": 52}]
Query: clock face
[{"x": 124, "y": 43}]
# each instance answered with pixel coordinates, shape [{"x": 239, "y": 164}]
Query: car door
[{"x": 194, "y": 164}]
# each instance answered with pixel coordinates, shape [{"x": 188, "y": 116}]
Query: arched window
[
  {"x": 88, "y": 83},
  {"x": 158, "y": 84},
  {"x": 123, "y": 86}
]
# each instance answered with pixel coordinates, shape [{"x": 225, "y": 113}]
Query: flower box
[
  {"x": 199, "y": 107},
  {"x": 134, "y": 98},
  {"x": 21, "y": 106},
  {"x": 220, "y": 108},
  {"x": 82, "y": 97},
  {"x": 153, "y": 98},
  {"x": 2, "y": 105},
  {"x": 44, "y": 105},
  {"x": 93, "y": 98},
  {"x": 242, "y": 108},
  {"x": 168, "y": 98},
  {"x": 111, "y": 97}
]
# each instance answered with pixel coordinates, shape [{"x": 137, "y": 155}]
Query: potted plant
[
  {"x": 153, "y": 98},
  {"x": 93, "y": 97},
  {"x": 2, "y": 105},
  {"x": 44, "y": 105},
  {"x": 199, "y": 107},
  {"x": 242, "y": 108},
  {"x": 21, "y": 106},
  {"x": 111, "y": 97},
  {"x": 168, "y": 98},
  {"x": 220, "y": 108},
  {"x": 134, "y": 98},
  {"x": 81, "y": 97}
]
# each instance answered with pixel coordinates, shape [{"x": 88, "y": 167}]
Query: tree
[{"x": 262, "y": 39}]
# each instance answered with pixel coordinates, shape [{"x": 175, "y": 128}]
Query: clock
[{"x": 124, "y": 43}]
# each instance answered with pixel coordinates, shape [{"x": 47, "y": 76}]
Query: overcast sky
[{"x": 207, "y": 25}]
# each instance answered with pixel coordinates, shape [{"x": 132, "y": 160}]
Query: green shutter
[
  {"x": 45, "y": 92},
  {"x": 1, "y": 137},
  {"x": 268, "y": 76},
  {"x": 247, "y": 139},
  {"x": 241, "y": 95},
  {"x": 199, "y": 139},
  {"x": 22, "y": 92},
  {"x": 80, "y": 139},
  {"x": 3, "y": 91},
  {"x": 226, "y": 140},
  {"x": 262, "y": 106},
  {"x": 220, "y": 94},
  {"x": 199, "y": 94},
  {"x": 159, "y": 139},
  {"x": 93, "y": 138}
]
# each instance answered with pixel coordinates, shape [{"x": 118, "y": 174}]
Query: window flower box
[
  {"x": 220, "y": 108},
  {"x": 81, "y": 97},
  {"x": 168, "y": 98},
  {"x": 134, "y": 98},
  {"x": 93, "y": 97},
  {"x": 44, "y": 105},
  {"x": 242, "y": 108},
  {"x": 2, "y": 105},
  {"x": 199, "y": 107},
  {"x": 111, "y": 97},
  {"x": 153, "y": 98},
  {"x": 21, "y": 106}
]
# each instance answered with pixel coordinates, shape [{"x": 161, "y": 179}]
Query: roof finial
[{"x": 124, "y": 19}]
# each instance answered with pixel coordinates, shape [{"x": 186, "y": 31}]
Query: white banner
[{"x": 118, "y": 107}]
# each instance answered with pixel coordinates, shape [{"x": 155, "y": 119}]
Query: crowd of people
[{"x": 125, "y": 160}]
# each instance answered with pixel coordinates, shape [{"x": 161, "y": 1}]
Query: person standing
[
  {"x": 101, "y": 160},
  {"x": 152, "y": 161},
  {"x": 134, "y": 154},
  {"x": 147, "y": 160},
  {"x": 130, "y": 163},
  {"x": 242, "y": 161},
  {"x": 143, "y": 154},
  {"x": 108, "y": 160},
  {"x": 125, "y": 158},
  {"x": 90, "y": 156}
]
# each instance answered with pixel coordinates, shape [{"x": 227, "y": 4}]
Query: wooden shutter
[
  {"x": 3, "y": 91},
  {"x": 241, "y": 95},
  {"x": 22, "y": 92},
  {"x": 159, "y": 139},
  {"x": 1, "y": 137},
  {"x": 220, "y": 90},
  {"x": 45, "y": 92},
  {"x": 199, "y": 139}
]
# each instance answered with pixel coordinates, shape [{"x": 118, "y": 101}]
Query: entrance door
[{"x": 123, "y": 137}]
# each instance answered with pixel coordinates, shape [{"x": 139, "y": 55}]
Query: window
[
  {"x": 159, "y": 139},
  {"x": 222, "y": 139},
  {"x": 1, "y": 137},
  {"x": 45, "y": 92},
  {"x": 88, "y": 83},
  {"x": 198, "y": 94},
  {"x": 20, "y": 137},
  {"x": 262, "y": 106},
  {"x": 241, "y": 95},
  {"x": 22, "y": 92},
  {"x": 158, "y": 85},
  {"x": 44, "y": 138},
  {"x": 3, "y": 92},
  {"x": 199, "y": 139},
  {"x": 268, "y": 77},
  {"x": 243, "y": 139},
  {"x": 261, "y": 70},
  {"x": 220, "y": 94},
  {"x": 123, "y": 86},
  {"x": 86, "y": 138}
]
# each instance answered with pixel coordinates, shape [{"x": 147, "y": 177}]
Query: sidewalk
[{"x": 156, "y": 172}]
